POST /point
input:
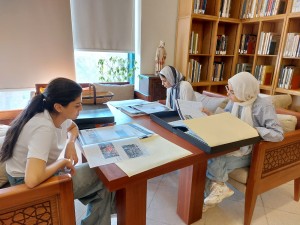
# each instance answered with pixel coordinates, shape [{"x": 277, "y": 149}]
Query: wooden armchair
[
  {"x": 273, "y": 164},
  {"x": 52, "y": 202}
]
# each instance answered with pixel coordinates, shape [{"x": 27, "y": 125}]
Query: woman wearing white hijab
[
  {"x": 242, "y": 90},
  {"x": 177, "y": 87}
]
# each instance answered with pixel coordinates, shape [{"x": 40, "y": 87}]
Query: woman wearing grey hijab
[{"x": 177, "y": 87}]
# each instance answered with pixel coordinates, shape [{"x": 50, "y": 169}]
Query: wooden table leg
[
  {"x": 131, "y": 204},
  {"x": 191, "y": 192}
]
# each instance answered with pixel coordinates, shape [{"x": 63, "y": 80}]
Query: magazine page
[
  {"x": 130, "y": 102},
  {"x": 102, "y": 134},
  {"x": 114, "y": 151},
  {"x": 189, "y": 109},
  {"x": 151, "y": 107}
]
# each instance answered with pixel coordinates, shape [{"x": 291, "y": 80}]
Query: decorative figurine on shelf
[{"x": 160, "y": 57}]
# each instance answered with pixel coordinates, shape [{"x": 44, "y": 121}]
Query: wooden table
[{"x": 131, "y": 192}]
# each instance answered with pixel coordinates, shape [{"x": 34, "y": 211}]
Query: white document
[
  {"x": 114, "y": 151},
  {"x": 161, "y": 151},
  {"x": 138, "y": 107},
  {"x": 151, "y": 107},
  {"x": 221, "y": 129},
  {"x": 189, "y": 109},
  {"x": 102, "y": 134}
]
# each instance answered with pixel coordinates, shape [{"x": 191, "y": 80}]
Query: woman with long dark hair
[{"x": 36, "y": 138}]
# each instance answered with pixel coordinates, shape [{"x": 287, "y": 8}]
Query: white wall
[
  {"x": 35, "y": 42},
  {"x": 35, "y": 48},
  {"x": 158, "y": 22}
]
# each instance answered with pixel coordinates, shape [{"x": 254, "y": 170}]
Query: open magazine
[
  {"x": 113, "y": 144},
  {"x": 138, "y": 107},
  {"x": 189, "y": 109}
]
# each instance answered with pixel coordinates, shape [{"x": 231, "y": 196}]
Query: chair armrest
[
  {"x": 279, "y": 158},
  {"x": 53, "y": 198}
]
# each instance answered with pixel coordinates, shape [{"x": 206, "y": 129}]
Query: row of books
[
  {"x": 289, "y": 77},
  {"x": 260, "y": 8},
  {"x": 194, "y": 43},
  {"x": 296, "y": 6},
  {"x": 194, "y": 71},
  {"x": 200, "y": 6},
  {"x": 264, "y": 74},
  {"x": 222, "y": 41},
  {"x": 225, "y": 8},
  {"x": 292, "y": 45},
  {"x": 268, "y": 43},
  {"x": 218, "y": 71},
  {"x": 247, "y": 44},
  {"x": 243, "y": 67}
]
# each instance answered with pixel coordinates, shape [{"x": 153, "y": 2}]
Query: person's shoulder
[
  {"x": 40, "y": 120},
  {"x": 263, "y": 101},
  {"x": 185, "y": 83}
]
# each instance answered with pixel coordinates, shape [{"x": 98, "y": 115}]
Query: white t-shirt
[{"x": 39, "y": 139}]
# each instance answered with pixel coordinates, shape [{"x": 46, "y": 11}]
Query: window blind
[{"x": 103, "y": 25}]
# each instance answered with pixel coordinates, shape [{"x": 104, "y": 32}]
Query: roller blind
[
  {"x": 35, "y": 42},
  {"x": 103, "y": 25}
]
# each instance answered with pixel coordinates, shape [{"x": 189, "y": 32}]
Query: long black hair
[{"x": 60, "y": 90}]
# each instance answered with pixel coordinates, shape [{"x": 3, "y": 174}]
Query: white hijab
[
  {"x": 246, "y": 88},
  {"x": 174, "y": 79}
]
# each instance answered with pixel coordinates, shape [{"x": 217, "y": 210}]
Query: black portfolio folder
[
  {"x": 93, "y": 117},
  {"x": 163, "y": 119}
]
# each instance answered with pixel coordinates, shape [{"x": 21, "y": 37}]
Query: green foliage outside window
[{"x": 116, "y": 69}]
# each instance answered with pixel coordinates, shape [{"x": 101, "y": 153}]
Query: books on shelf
[
  {"x": 292, "y": 45},
  {"x": 261, "y": 8},
  {"x": 289, "y": 77},
  {"x": 218, "y": 71},
  {"x": 194, "y": 71},
  {"x": 138, "y": 107},
  {"x": 200, "y": 6},
  {"x": 296, "y": 6},
  {"x": 194, "y": 43},
  {"x": 243, "y": 67},
  {"x": 225, "y": 8},
  {"x": 268, "y": 43},
  {"x": 247, "y": 44},
  {"x": 222, "y": 42},
  {"x": 264, "y": 74}
]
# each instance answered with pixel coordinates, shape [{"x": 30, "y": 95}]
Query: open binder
[{"x": 215, "y": 133}]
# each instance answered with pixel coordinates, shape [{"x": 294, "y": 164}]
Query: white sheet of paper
[
  {"x": 160, "y": 150},
  {"x": 189, "y": 109},
  {"x": 221, "y": 129}
]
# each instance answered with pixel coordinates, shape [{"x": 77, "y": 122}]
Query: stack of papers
[{"x": 138, "y": 107}]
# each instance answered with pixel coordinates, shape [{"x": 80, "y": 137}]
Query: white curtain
[
  {"x": 35, "y": 42},
  {"x": 103, "y": 25}
]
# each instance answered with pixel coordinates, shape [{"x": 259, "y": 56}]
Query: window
[{"x": 86, "y": 64}]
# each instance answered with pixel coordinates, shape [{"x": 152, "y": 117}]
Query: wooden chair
[
  {"x": 52, "y": 202},
  {"x": 273, "y": 164}
]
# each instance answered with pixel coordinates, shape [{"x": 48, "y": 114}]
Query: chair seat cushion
[
  {"x": 240, "y": 174},
  {"x": 120, "y": 92}
]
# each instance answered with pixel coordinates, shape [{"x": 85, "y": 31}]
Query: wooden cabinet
[
  {"x": 209, "y": 46},
  {"x": 150, "y": 85}
]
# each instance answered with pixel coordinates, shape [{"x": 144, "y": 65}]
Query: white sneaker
[
  {"x": 218, "y": 193},
  {"x": 206, "y": 207}
]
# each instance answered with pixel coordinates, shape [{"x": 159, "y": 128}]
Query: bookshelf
[{"x": 254, "y": 33}]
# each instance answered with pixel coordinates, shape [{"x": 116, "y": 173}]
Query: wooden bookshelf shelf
[{"x": 271, "y": 28}]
